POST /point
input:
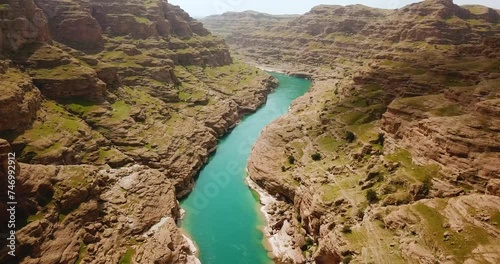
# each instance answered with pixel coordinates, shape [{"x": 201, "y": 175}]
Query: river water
[{"x": 222, "y": 213}]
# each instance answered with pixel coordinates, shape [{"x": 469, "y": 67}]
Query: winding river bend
[{"x": 222, "y": 213}]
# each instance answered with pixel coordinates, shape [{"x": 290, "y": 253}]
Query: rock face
[
  {"x": 19, "y": 100},
  {"x": 391, "y": 157},
  {"x": 71, "y": 23},
  {"x": 59, "y": 76},
  {"x": 110, "y": 121},
  {"x": 22, "y": 22}
]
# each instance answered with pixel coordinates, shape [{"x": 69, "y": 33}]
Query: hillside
[
  {"x": 111, "y": 108},
  {"x": 392, "y": 157}
]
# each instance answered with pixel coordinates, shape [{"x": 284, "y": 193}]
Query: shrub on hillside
[
  {"x": 316, "y": 156},
  {"x": 371, "y": 196},
  {"x": 346, "y": 229},
  {"x": 350, "y": 136}
]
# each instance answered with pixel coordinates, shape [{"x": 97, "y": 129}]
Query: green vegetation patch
[
  {"x": 329, "y": 143},
  {"x": 403, "y": 67},
  {"x": 80, "y": 106},
  {"x": 120, "y": 59},
  {"x": 453, "y": 81},
  {"x": 371, "y": 196},
  {"x": 143, "y": 20},
  {"x": 421, "y": 173},
  {"x": 450, "y": 110},
  {"x": 365, "y": 106},
  {"x": 459, "y": 245},
  {"x": 81, "y": 253},
  {"x": 418, "y": 102},
  {"x": 105, "y": 155},
  {"x": 394, "y": 64},
  {"x": 36, "y": 217},
  {"x": 63, "y": 72},
  {"x": 223, "y": 76},
  {"x": 127, "y": 257},
  {"x": 5, "y": 7},
  {"x": 40, "y": 136},
  {"x": 455, "y": 21},
  {"x": 316, "y": 157},
  {"x": 330, "y": 193},
  {"x": 196, "y": 39},
  {"x": 121, "y": 111},
  {"x": 379, "y": 240},
  {"x": 75, "y": 177},
  {"x": 298, "y": 147},
  {"x": 352, "y": 117},
  {"x": 365, "y": 132},
  {"x": 412, "y": 70},
  {"x": 192, "y": 96},
  {"x": 436, "y": 105},
  {"x": 78, "y": 180},
  {"x": 61, "y": 217}
]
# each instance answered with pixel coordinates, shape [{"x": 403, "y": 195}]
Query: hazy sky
[{"x": 201, "y": 8}]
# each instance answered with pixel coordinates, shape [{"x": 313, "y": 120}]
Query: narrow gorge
[{"x": 221, "y": 212}]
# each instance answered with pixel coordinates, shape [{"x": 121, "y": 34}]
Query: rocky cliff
[
  {"x": 392, "y": 157},
  {"x": 111, "y": 108}
]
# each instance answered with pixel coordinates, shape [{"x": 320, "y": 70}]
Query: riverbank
[
  {"x": 279, "y": 244},
  {"x": 221, "y": 209}
]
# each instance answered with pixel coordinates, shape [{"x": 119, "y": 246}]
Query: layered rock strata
[{"x": 111, "y": 108}]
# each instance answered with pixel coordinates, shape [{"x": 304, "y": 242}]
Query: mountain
[
  {"x": 392, "y": 156},
  {"x": 111, "y": 108}
]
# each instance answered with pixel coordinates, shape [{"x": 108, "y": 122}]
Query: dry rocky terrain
[
  {"x": 392, "y": 156},
  {"x": 111, "y": 107}
]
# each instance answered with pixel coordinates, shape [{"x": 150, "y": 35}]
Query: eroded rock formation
[{"x": 111, "y": 108}]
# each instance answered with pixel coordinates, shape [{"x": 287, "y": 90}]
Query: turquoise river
[{"x": 222, "y": 213}]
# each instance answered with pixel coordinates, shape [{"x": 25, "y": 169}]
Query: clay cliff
[
  {"x": 111, "y": 108},
  {"x": 392, "y": 156}
]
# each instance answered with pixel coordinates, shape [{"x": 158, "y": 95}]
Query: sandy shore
[
  {"x": 270, "y": 69},
  {"x": 191, "y": 259},
  {"x": 277, "y": 242},
  {"x": 285, "y": 69}
]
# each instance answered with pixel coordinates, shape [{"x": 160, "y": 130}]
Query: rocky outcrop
[
  {"x": 19, "y": 99},
  {"x": 114, "y": 118},
  {"x": 60, "y": 76},
  {"x": 22, "y": 22},
  {"x": 71, "y": 23},
  {"x": 463, "y": 142},
  {"x": 93, "y": 208}
]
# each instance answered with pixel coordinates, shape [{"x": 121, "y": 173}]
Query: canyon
[
  {"x": 392, "y": 156},
  {"x": 113, "y": 107}
]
